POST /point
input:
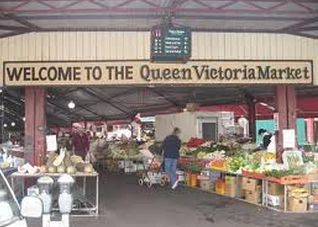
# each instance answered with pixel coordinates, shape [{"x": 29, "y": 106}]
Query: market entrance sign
[{"x": 207, "y": 72}]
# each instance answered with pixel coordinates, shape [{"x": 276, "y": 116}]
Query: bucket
[
  {"x": 188, "y": 179},
  {"x": 193, "y": 180},
  {"x": 181, "y": 176}
]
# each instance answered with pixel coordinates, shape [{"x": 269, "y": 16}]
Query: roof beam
[
  {"x": 302, "y": 1},
  {"x": 172, "y": 9},
  {"x": 301, "y": 24},
  {"x": 66, "y": 111},
  {"x": 158, "y": 93},
  {"x": 148, "y": 16},
  {"x": 309, "y": 28},
  {"x": 13, "y": 28},
  {"x": 94, "y": 94},
  {"x": 23, "y": 22},
  {"x": 128, "y": 91}
]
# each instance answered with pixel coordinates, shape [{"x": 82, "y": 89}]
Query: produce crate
[
  {"x": 250, "y": 184},
  {"x": 297, "y": 205},
  {"x": 254, "y": 196},
  {"x": 275, "y": 188},
  {"x": 312, "y": 177},
  {"x": 205, "y": 184},
  {"x": 253, "y": 175},
  {"x": 220, "y": 187},
  {"x": 293, "y": 179}
]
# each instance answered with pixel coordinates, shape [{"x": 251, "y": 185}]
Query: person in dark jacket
[
  {"x": 171, "y": 146},
  {"x": 266, "y": 137}
]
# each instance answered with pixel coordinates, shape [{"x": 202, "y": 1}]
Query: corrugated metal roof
[{"x": 278, "y": 16}]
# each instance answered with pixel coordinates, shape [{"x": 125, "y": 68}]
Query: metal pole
[
  {"x": 84, "y": 185},
  {"x": 285, "y": 198},
  {"x": 97, "y": 195}
]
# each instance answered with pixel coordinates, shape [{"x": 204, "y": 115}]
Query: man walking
[{"x": 171, "y": 146}]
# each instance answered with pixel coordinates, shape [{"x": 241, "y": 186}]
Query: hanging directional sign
[{"x": 170, "y": 44}]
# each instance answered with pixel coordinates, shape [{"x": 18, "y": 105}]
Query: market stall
[
  {"x": 232, "y": 169},
  {"x": 86, "y": 199}
]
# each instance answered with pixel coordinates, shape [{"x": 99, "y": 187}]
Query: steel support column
[
  {"x": 285, "y": 104},
  {"x": 35, "y": 125},
  {"x": 251, "y": 117}
]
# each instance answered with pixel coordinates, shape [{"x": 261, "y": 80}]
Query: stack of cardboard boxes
[
  {"x": 299, "y": 198},
  {"x": 252, "y": 189},
  {"x": 230, "y": 186},
  {"x": 297, "y": 204}
]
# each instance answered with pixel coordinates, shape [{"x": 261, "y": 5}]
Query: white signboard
[
  {"x": 51, "y": 143},
  {"x": 289, "y": 138}
]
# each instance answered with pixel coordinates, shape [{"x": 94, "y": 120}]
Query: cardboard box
[
  {"x": 230, "y": 180},
  {"x": 240, "y": 193},
  {"x": 275, "y": 200},
  {"x": 205, "y": 185},
  {"x": 212, "y": 186},
  {"x": 297, "y": 205},
  {"x": 230, "y": 190},
  {"x": 254, "y": 196},
  {"x": 275, "y": 189},
  {"x": 250, "y": 184}
]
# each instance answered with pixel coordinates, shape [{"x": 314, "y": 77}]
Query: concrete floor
[{"x": 125, "y": 204}]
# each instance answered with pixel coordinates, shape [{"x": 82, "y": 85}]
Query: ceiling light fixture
[
  {"x": 23, "y": 118},
  {"x": 5, "y": 125},
  {"x": 13, "y": 124},
  {"x": 71, "y": 105}
]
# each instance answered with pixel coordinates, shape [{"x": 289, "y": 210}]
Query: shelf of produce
[{"x": 91, "y": 211}]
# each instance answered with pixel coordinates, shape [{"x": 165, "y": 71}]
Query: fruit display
[
  {"x": 123, "y": 151},
  {"x": 62, "y": 163},
  {"x": 230, "y": 156},
  {"x": 298, "y": 192},
  {"x": 218, "y": 164},
  {"x": 4, "y": 165},
  {"x": 195, "y": 142}
]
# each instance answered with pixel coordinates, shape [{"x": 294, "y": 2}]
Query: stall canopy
[
  {"x": 115, "y": 103},
  {"x": 298, "y": 17}
]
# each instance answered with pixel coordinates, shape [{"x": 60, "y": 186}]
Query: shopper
[
  {"x": 171, "y": 146},
  {"x": 80, "y": 143},
  {"x": 266, "y": 137}
]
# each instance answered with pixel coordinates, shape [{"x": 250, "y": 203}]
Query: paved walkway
[{"x": 125, "y": 204}]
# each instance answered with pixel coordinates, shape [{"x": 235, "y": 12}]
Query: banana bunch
[
  {"x": 298, "y": 193},
  {"x": 269, "y": 156}
]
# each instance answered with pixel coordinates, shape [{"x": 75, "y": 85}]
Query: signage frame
[
  {"x": 310, "y": 61},
  {"x": 169, "y": 59}
]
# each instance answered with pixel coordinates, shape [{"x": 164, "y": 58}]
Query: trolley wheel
[
  {"x": 162, "y": 182},
  {"x": 149, "y": 184},
  {"x": 141, "y": 182}
]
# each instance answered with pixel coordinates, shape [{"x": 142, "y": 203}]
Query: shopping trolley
[{"x": 152, "y": 172}]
